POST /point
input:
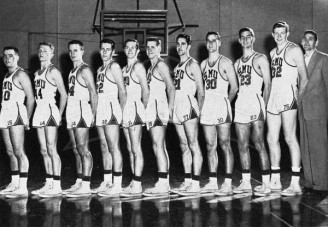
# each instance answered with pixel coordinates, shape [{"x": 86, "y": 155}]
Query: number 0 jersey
[
  {"x": 250, "y": 82},
  {"x": 45, "y": 91},
  {"x": 11, "y": 94},
  {"x": 214, "y": 83},
  {"x": 76, "y": 90}
]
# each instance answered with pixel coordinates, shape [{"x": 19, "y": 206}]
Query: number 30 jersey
[
  {"x": 45, "y": 91},
  {"x": 214, "y": 83},
  {"x": 250, "y": 82}
]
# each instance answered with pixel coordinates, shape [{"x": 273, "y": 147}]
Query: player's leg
[
  {"x": 158, "y": 140},
  {"x": 210, "y": 134},
  {"x": 289, "y": 123},
  {"x": 258, "y": 140},
  {"x": 17, "y": 138},
  {"x": 186, "y": 159},
  {"x": 46, "y": 161},
  {"x": 13, "y": 164},
  {"x": 135, "y": 133},
  {"x": 243, "y": 134},
  {"x": 224, "y": 141},
  {"x": 82, "y": 141},
  {"x": 274, "y": 126},
  {"x": 107, "y": 162},
  {"x": 129, "y": 147}
]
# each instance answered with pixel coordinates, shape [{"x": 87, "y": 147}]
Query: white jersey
[
  {"x": 45, "y": 91},
  {"x": 214, "y": 83},
  {"x": 250, "y": 82},
  {"x": 157, "y": 85},
  {"x": 283, "y": 74},
  {"x": 106, "y": 85},
  {"x": 132, "y": 84},
  {"x": 184, "y": 83},
  {"x": 76, "y": 90},
  {"x": 11, "y": 94}
]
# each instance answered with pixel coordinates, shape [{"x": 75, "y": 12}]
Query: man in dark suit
[{"x": 313, "y": 116}]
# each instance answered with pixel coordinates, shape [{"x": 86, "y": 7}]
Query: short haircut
[
  {"x": 217, "y": 34},
  {"x": 312, "y": 33},
  {"x": 11, "y": 48},
  {"x": 185, "y": 36},
  {"x": 246, "y": 29},
  {"x": 154, "y": 39},
  {"x": 132, "y": 40},
  {"x": 280, "y": 24},
  {"x": 111, "y": 42},
  {"x": 78, "y": 42},
  {"x": 50, "y": 45}
]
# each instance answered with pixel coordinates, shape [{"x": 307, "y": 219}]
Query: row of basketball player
[{"x": 136, "y": 97}]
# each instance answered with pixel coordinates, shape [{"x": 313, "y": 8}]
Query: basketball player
[
  {"x": 135, "y": 79},
  {"x": 110, "y": 87},
  {"x": 47, "y": 117},
  {"x": 250, "y": 110},
  {"x": 288, "y": 74},
  {"x": 14, "y": 119},
  {"x": 80, "y": 115},
  {"x": 216, "y": 116},
  {"x": 188, "y": 81},
  {"x": 158, "y": 112}
]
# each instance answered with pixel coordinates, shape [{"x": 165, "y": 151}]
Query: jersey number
[
  {"x": 245, "y": 80},
  {"x": 177, "y": 84},
  {"x": 71, "y": 91},
  {"x": 6, "y": 95},
  {"x": 276, "y": 71},
  {"x": 38, "y": 94},
  {"x": 100, "y": 88},
  {"x": 210, "y": 84}
]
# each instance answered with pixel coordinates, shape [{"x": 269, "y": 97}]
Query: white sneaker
[
  {"x": 18, "y": 193},
  {"x": 103, "y": 187},
  {"x": 292, "y": 190},
  {"x": 244, "y": 187},
  {"x": 193, "y": 189},
  {"x": 224, "y": 190},
  {"x": 127, "y": 187},
  {"x": 80, "y": 192},
  {"x": 113, "y": 191},
  {"x": 132, "y": 191},
  {"x": 275, "y": 186},
  {"x": 209, "y": 188},
  {"x": 46, "y": 186},
  {"x": 264, "y": 191},
  {"x": 9, "y": 188},
  {"x": 73, "y": 188},
  {"x": 158, "y": 190},
  {"x": 52, "y": 192},
  {"x": 181, "y": 188}
]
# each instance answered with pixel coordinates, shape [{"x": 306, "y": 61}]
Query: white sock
[
  {"x": 108, "y": 178},
  {"x": 15, "y": 179},
  {"x": 227, "y": 181},
  {"x": 23, "y": 183},
  {"x": 118, "y": 181},
  {"x": 246, "y": 177}
]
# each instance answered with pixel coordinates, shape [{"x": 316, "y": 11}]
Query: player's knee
[
  {"x": 290, "y": 140},
  {"x": 259, "y": 143},
  {"x": 225, "y": 144},
  {"x": 272, "y": 140},
  {"x": 211, "y": 146},
  {"x": 103, "y": 146},
  {"x": 243, "y": 144},
  {"x": 194, "y": 146}
]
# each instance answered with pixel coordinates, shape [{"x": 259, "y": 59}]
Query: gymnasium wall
[{"x": 26, "y": 23}]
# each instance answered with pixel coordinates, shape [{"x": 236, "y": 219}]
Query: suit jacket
[{"x": 315, "y": 99}]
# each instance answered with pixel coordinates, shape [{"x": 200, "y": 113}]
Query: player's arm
[
  {"x": 118, "y": 77},
  {"x": 140, "y": 71},
  {"x": 58, "y": 79},
  {"x": 202, "y": 66},
  {"x": 89, "y": 82},
  {"x": 229, "y": 71},
  {"x": 164, "y": 71},
  {"x": 298, "y": 58},
  {"x": 197, "y": 74},
  {"x": 26, "y": 85},
  {"x": 264, "y": 67}
]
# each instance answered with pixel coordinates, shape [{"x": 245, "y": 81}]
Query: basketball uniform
[
  {"x": 46, "y": 112},
  {"x": 185, "y": 103},
  {"x": 134, "y": 110},
  {"x": 216, "y": 109},
  {"x": 78, "y": 110},
  {"x": 284, "y": 89},
  {"x": 157, "y": 111},
  {"x": 249, "y": 106},
  {"x": 109, "y": 111},
  {"x": 13, "y": 110}
]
